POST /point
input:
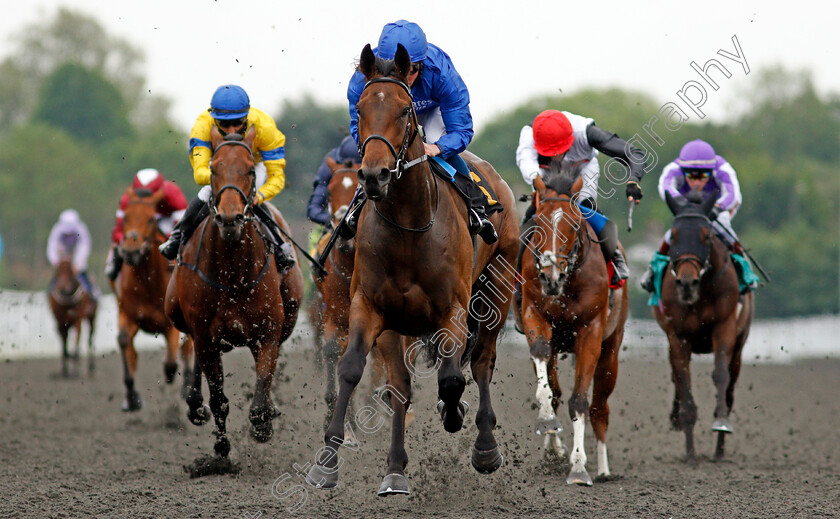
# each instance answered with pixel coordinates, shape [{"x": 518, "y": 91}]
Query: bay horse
[
  {"x": 567, "y": 308},
  {"x": 140, "y": 291},
  {"x": 701, "y": 312},
  {"x": 71, "y": 304},
  {"x": 334, "y": 288},
  {"x": 416, "y": 273},
  {"x": 226, "y": 291}
]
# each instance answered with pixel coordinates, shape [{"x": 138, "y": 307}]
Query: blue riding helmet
[
  {"x": 229, "y": 102},
  {"x": 409, "y": 34}
]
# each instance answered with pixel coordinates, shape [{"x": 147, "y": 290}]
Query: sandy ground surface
[{"x": 66, "y": 450}]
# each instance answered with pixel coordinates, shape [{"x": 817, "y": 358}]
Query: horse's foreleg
[
  {"x": 389, "y": 350},
  {"x": 211, "y": 366},
  {"x": 587, "y": 353},
  {"x": 198, "y": 413},
  {"x": 606, "y": 375},
  {"x": 91, "y": 352},
  {"x": 187, "y": 352},
  {"x": 63, "y": 331},
  {"x": 538, "y": 334},
  {"x": 332, "y": 350},
  {"x": 365, "y": 326},
  {"x": 262, "y": 409},
  {"x": 77, "y": 350},
  {"x": 450, "y": 342},
  {"x": 170, "y": 363},
  {"x": 686, "y": 409},
  {"x": 723, "y": 341},
  {"x": 125, "y": 338}
]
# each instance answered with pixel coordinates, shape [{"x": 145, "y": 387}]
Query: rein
[{"x": 65, "y": 300}]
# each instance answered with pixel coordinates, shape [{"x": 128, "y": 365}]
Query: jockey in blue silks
[
  {"x": 440, "y": 99},
  {"x": 317, "y": 210}
]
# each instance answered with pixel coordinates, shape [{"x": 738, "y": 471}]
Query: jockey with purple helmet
[
  {"x": 440, "y": 99},
  {"x": 700, "y": 169},
  {"x": 70, "y": 238}
]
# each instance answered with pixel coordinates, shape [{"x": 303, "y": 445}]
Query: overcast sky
[{"x": 506, "y": 51}]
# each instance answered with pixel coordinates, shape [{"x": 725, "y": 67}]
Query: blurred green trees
[{"x": 80, "y": 124}]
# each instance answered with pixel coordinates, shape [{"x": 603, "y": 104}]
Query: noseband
[
  {"x": 409, "y": 134},
  {"x": 214, "y": 196}
]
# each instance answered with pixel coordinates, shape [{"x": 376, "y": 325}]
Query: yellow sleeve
[
  {"x": 270, "y": 146},
  {"x": 201, "y": 148}
]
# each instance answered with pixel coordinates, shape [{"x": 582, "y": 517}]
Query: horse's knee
[
  {"x": 123, "y": 339},
  {"x": 351, "y": 367},
  {"x": 540, "y": 348},
  {"x": 578, "y": 405}
]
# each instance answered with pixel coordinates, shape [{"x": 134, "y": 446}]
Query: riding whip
[{"x": 319, "y": 263}]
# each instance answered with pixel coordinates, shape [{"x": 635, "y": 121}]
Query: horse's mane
[
  {"x": 143, "y": 192},
  {"x": 234, "y": 136},
  {"x": 560, "y": 177}
]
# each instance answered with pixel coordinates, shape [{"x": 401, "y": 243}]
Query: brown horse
[
  {"x": 334, "y": 288},
  {"x": 567, "y": 308},
  {"x": 140, "y": 290},
  {"x": 416, "y": 273},
  {"x": 227, "y": 291},
  {"x": 701, "y": 312},
  {"x": 71, "y": 304}
]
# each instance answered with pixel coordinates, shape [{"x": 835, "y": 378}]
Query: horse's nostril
[
  {"x": 239, "y": 218},
  {"x": 384, "y": 175},
  {"x": 361, "y": 175}
]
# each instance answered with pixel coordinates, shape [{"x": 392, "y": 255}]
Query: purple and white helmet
[{"x": 697, "y": 154}]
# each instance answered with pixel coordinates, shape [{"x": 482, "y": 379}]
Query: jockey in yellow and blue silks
[
  {"x": 440, "y": 99},
  {"x": 231, "y": 112}
]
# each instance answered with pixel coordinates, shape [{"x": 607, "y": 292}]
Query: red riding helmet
[
  {"x": 148, "y": 178},
  {"x": 552, "y": 133}
]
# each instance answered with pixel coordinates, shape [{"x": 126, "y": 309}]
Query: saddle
[{"x": 476, "y": 190}]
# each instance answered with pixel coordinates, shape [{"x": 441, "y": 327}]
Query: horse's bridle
[
  {"x": 410, "y": 133},
  {"x": 551, "y": 258},
  {"x": 214, "y": 196},
  {"x": 147, "y": 238},
  {"x": 703, "y": 265}
]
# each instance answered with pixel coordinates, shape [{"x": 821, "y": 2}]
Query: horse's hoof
[
  {"x": 132, "y": 403},
  {"x": 222, "y": 447},
  {"x": 722, "y": 425},
  {"x": 393, "y": 484},
  {"x": 580, "y": 477},
  {"x": 456, "y": 423},
  {"x": 549, "y": 426},
  {"x": 170, "y": 369},
  {"x": 322, "y": 477},
  {"x": 486, "y": 462},
  {"x": 199, "y": 416}
]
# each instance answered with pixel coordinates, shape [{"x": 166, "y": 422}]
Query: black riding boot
[
  {"x": 482, "y": 226},
  {"x": 348, "y": 229},
  {"x": 114, "y": 265},
  {"x": 196, "y": 211},
  {"x": 283, "y": 253},
  {"x": 609, "y": 247}
]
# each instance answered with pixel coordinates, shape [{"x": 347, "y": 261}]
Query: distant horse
[
  {"x": 416, "y": 273},
  {"x": 567, "y": 308},
  {"x": 334, "y": 289},
  {"x": 71, "y": 304},
  {"x": 140, "y": 290},
  {"x": 701, "y": 312},
  {"x": 227, "y": 291}
]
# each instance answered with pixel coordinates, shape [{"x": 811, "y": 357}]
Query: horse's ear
[
  {"x": 402, "y": 62},
  {"x": 576, "y": 187},
  {"x": 157, "y": 196},
  {"x": 331, "y": 163},
  {"x": 251, "y": 136},
  {"x": 707, "y": 205},
  {"x": 673, "y": 205},
  {"x": 367, "y": 62}
]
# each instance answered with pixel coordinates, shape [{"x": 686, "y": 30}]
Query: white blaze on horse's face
[
  {"x": 347, "y": 182},
  {"x": 381, "y": 96}
]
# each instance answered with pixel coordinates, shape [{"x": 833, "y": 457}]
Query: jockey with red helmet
[
  {"x": 169, "y": 211},
  {"x": 575, "y": 140},
  {"x": 231, "y": 112}
]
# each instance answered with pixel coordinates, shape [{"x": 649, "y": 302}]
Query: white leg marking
[
  {"x": 553, "y": 444},
  {"x": 578, "y": 457},
  {"x": 544, "y": 394},
  {"x": 603, "y": 464}
]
